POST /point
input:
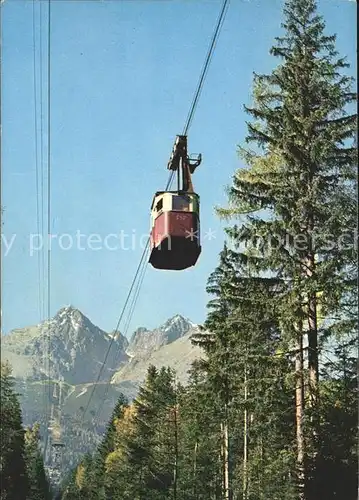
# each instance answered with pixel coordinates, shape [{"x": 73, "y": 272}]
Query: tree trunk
[
  {"x": 313, "y": 372},
  {"x": 222, "y": 459},
  {"x": 175, "y": 468},
  {"x": 225, "y": 457},
  {"x": 261, "y": 465},
  {"x": 245, "y": 439},
  {"x": 312, "y": 338},
  {"x": 195, "y": 471},
  {"x": 299, "y": 404}
]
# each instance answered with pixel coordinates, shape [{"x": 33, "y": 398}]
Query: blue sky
[{"x": 122, "y": 79}]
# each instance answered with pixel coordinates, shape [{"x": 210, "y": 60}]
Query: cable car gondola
[{"x": 175, "y": 224}]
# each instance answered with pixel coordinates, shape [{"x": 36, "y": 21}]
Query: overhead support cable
[
  {"x": 205, "y": 67},
  {"x": 143, "y": 263},
  {"x": 48, "y": 207},
  {"x": 138, "y": 272},
  {"x": 125, "y": 332},
  {"x": 37, "y": 84}
]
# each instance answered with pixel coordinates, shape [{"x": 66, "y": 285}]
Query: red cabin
[
  {"x": 175, "y": 241},
  {"x": 175, "y": 238}
]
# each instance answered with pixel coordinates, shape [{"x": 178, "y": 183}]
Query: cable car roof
[{"x": 179, "y": 193}]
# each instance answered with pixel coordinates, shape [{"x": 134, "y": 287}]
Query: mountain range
[{"x": 57, "y": 363}]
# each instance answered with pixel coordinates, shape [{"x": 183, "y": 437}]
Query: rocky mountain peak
[
  {"x": 73, "y": 348},
  {"x": 178, "y": 325},
  {"x": 144, "y": 341},
  {"x": 117, "y": 336},
  {"x": 138, "y": 333},
  {"x": 72, "y": 344},
  {"x": 72, "y": 317}
]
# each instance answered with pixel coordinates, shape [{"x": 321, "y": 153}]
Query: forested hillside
[{"x": 22, "y": 473}]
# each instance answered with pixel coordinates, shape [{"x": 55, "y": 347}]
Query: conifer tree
[
  {"x": 70, "y": 489},
  {"x": 86, "y": 482},
  {"x": 200, "y": 461},
  {"x": 298, "y": 196},
  {"x": 242, "y": 343},
  {"x": 108, "y": 442},
  {"x": 118, "y": 473},
  {"x": 38, "y": 483},
  {"x": 338, "y": 458},
  {"x": 150, "y": 449},
  {"x": 219, "y": 343},
  {"x": 14, "y": 481},
  {"x": 107, "y": 446}
]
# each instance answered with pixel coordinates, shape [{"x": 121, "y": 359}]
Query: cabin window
[
  {"x": 159, "y": 205},
  {"x": 181, "y": 203}
]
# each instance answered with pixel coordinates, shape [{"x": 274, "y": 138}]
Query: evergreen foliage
[
  {"x": 14, "y": 481},
  {"x": 38, "y": 483},
  {"x": 21, "y": 467},
  {"x": 296, "y": 197}
]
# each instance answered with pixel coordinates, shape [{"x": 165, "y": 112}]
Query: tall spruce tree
[
  {"x": 200, "y": 461},
  {"x": 338, "y": 451},
  {"x": 13, "y": 479},
  {"x": 297, "y": 197},
  {"x": 38, "y": 483},
  {"x": 246, "y": 371},
  {"x": 106, "y": 447},
  {"x": 70, "y": 487},
  {"x": 151, "y": 450},
  {"x": 118, "y": 473},
  {"x": 221, "y": 364}
]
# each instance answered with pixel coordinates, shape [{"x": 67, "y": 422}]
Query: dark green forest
[
  {"x": 22, "y": 469},
  {"x": 271, "y": 409}
]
